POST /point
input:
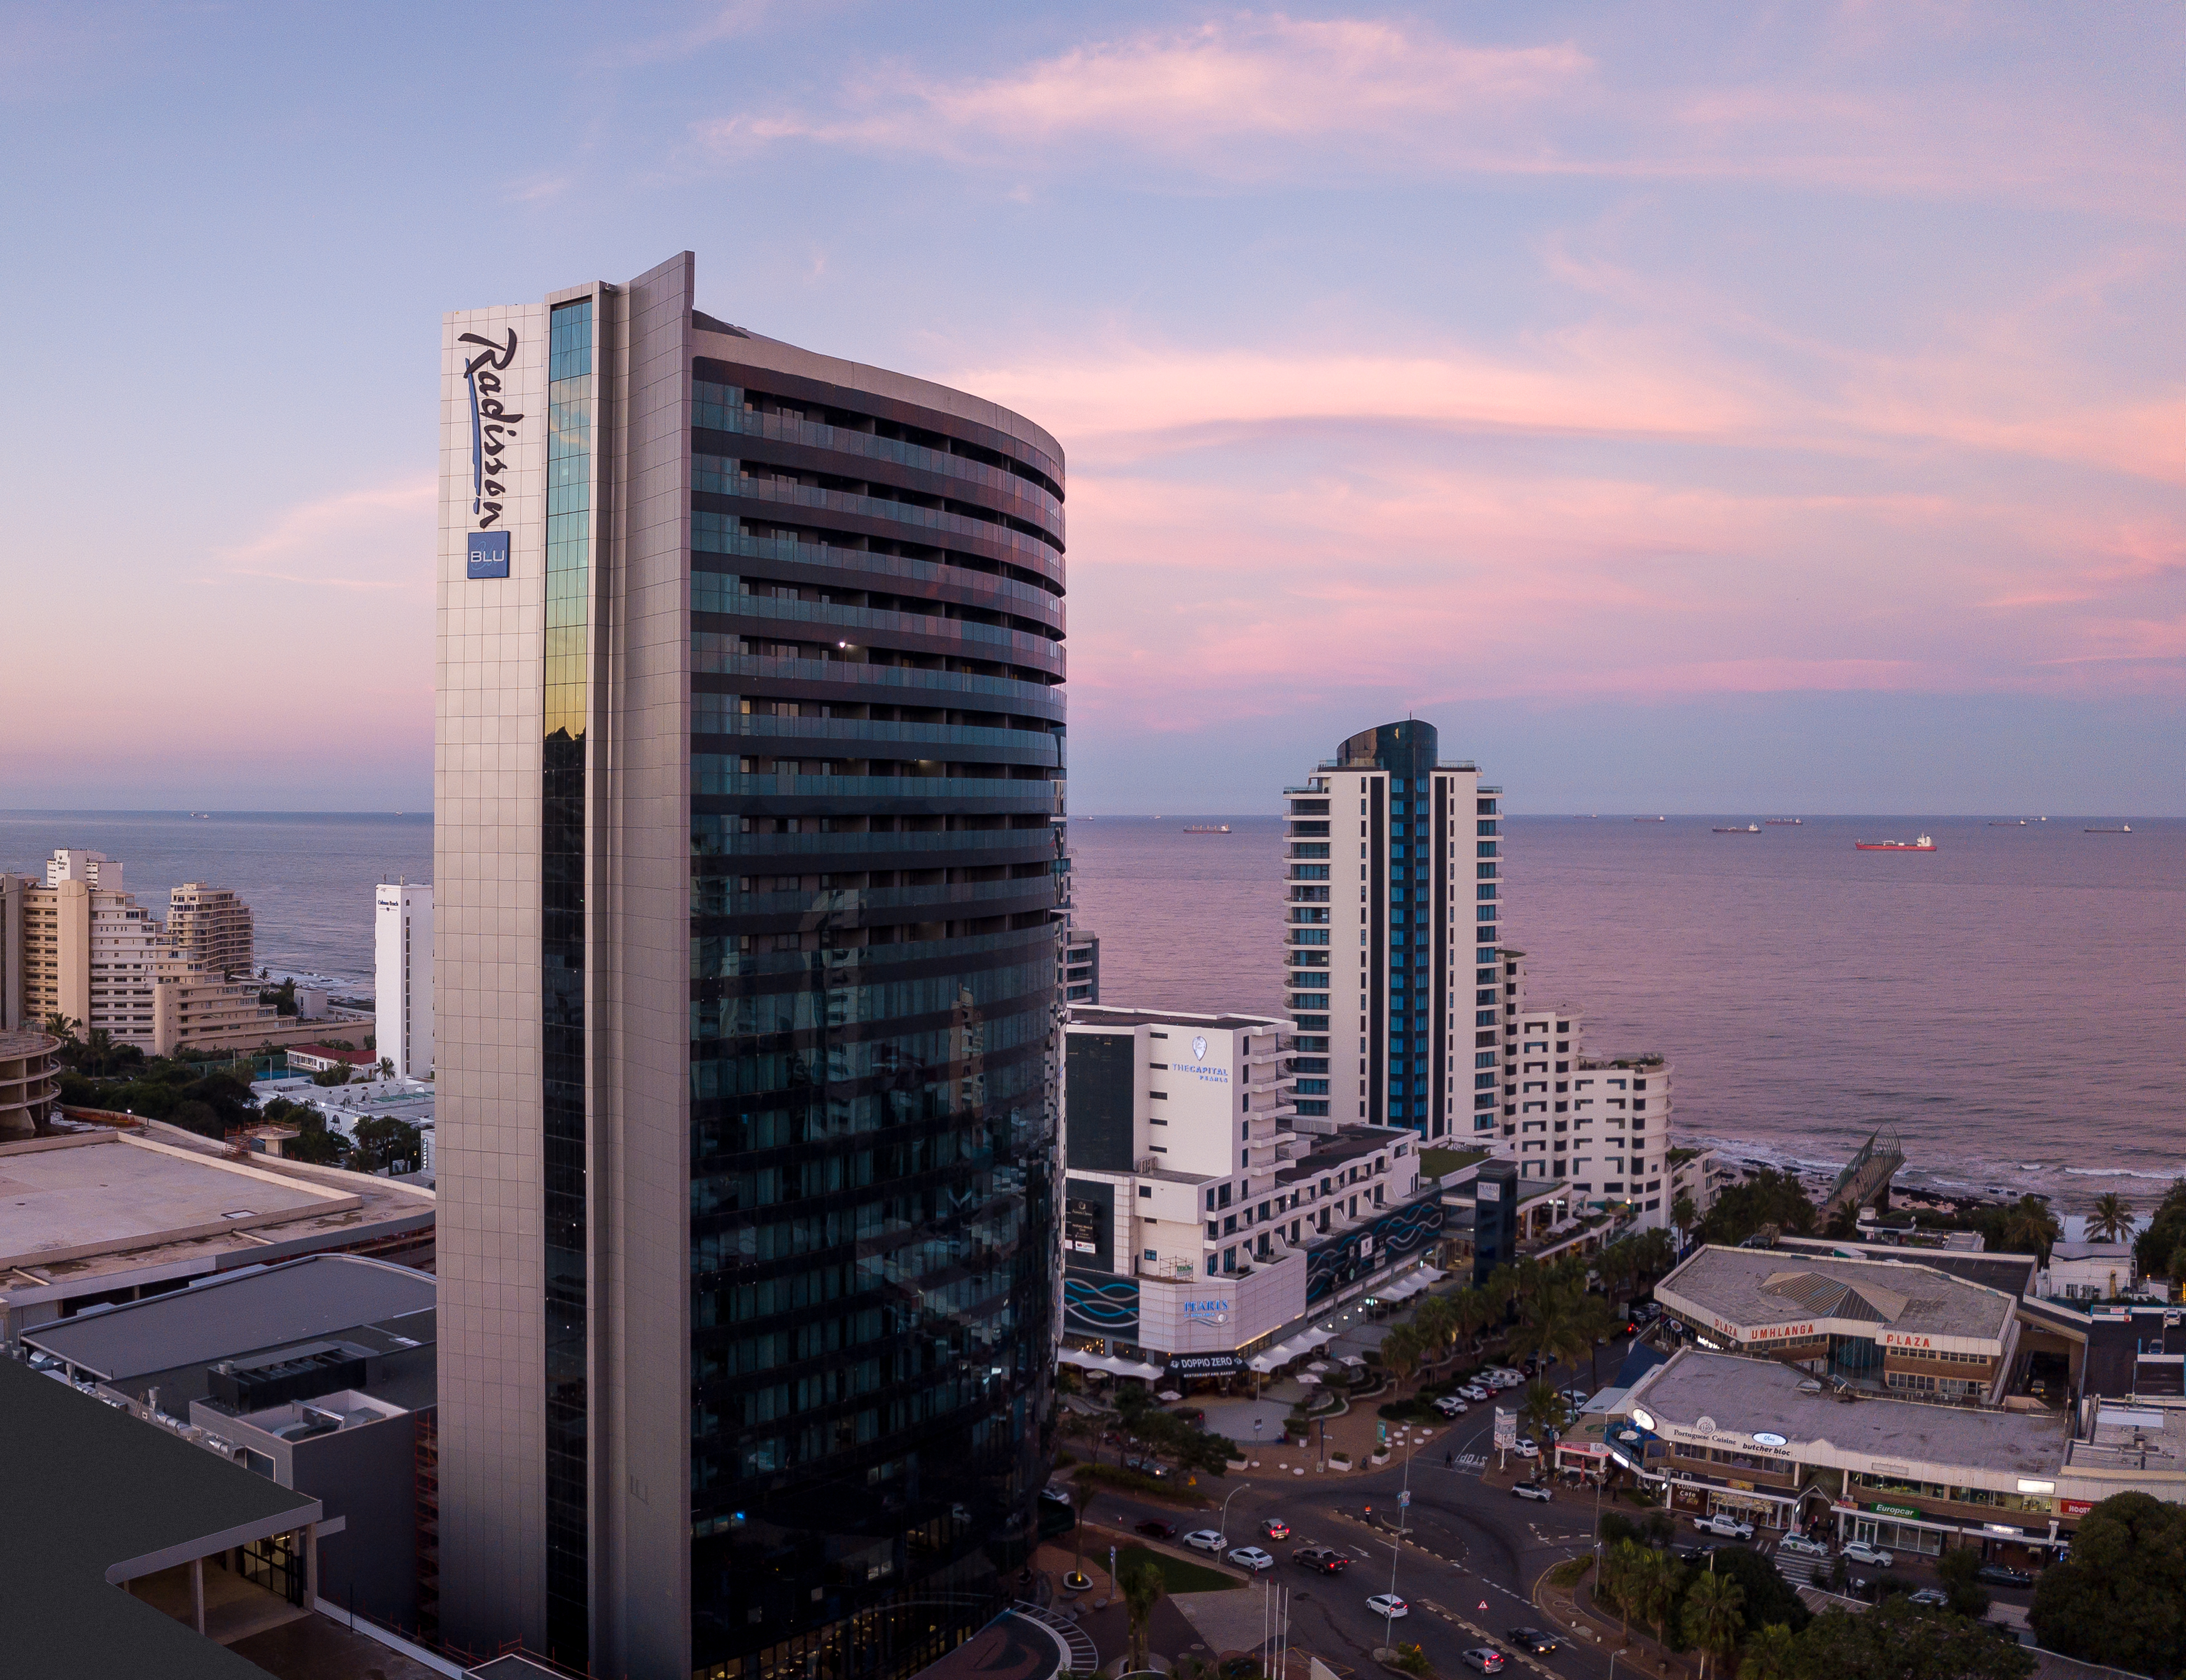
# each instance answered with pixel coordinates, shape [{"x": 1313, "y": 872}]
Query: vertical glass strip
[{"x": 561, "y": 902}]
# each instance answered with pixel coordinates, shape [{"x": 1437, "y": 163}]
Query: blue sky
[{"x": 1700, "y": 410}]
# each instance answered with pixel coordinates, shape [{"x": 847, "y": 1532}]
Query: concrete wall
[{"x": 486, "y": 761}]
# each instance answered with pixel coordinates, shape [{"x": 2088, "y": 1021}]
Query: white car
[
  {"x": 1251, "y": 1558},
  {"x": 1054, "y": 1495},
  {"x": 1724, "y": 1526},
  {"x": 1527, "y": 1447},
  {"x": 1800, "y": 1547},
  {"x": 1859, "y": 1552},
  {"x": 1450, "y": 1406},
  {"x": 1533, "y": 1489},
  {"x": 1389, "y": 1604},
  {"x": 1503, "y": 1377},
  {"x": 1206, "y": 1540},
  {"x": 1474, "y": 1392}
]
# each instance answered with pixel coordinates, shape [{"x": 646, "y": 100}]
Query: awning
[
  {"x": 1434, "y": 1274},
  {"x": 1262, "y": 1363},
  {"x": 1115, "y": 1367},
  {"x": 1403, "y": 1290},
  {"x": 1315, "y": 1338}
]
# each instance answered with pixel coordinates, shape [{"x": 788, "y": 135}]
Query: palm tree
[
  {"x": 1142, "y": 1588},
  {"x": 1653, "y": 1253},
  {"x": 2112, "y": 1217},
  {"x": 1474, "y": 1312},
  {"x": 1401, "y": 1349},
  {"x": 1620, "y": 1578},
  {"x": 1615, "y": 1265},
  {"x": 1544, "y": 1407},
  {"x": 1685, "y": 1214},
  {"x": 1656, "y": 1577},
  {"x": 1713, "y": 1618},
  {"x": 2029, "y": 1228},
  {"x": 1768, "y": 1654},
  {"x": 1436, "y": 1320}
]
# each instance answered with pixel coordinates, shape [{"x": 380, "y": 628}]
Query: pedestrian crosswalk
[{"x": 1799, "y": 1570}]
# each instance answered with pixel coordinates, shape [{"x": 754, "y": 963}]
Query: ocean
[{"x": 2014, "y": 1004}]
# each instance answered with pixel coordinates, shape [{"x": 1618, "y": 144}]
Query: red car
[{"x": 1155, "y": 1529}]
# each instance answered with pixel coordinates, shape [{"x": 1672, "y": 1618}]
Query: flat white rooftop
[{"x": 83, "y": 1195}]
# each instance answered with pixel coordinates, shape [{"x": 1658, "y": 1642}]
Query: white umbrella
[
  {"x": 1352, "y": 1359},
  {"x": 1168, "y": 1394},
  {"x": 1308, "y": 1376},
  {"x": 1318, "y": 1365}
]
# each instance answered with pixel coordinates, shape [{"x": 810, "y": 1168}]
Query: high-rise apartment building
[
  {"x": 748, "y": 827},
  {"x": 91, "y": 952},
  {"x": 403, "y": 975},
  {"x": 1392, "y": 900},
  {"x": 211, "y": 927},
  {"x": 1601, "y": 1124}
]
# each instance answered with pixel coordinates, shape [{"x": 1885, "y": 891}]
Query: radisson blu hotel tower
[{"x": 749, "y": 878}]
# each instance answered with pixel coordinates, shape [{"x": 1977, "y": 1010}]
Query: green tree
[
  {"x": 1543, "y": 1409},
  {"x": 1685, "y": 1214},
  {"x": 1657, "y": 1577},
  {"x": 1770, "y": 1654},
  {"x": 1714, "y": 1616},
  {"x": 1769, "y": 1597},
  {"x": 2121, "y": 1598},
  {"x": 1436, "y": 1320},
  {"x": 1401, "y": 1351},
  {"x": 1767, "y": 1197},
  {"x": 1475, "y": 1312},
  {"x": 1620, "y": 1563},
  {"x": 1900, "y": 1640},
  {"x": 336, "y": 1075},
  {"x": 2112, "y": 1217},
  {"x": 1960, "y": 1569},
  {"x": 1553, "y": 1321},
  {"x": 1142, "y": 1588},
  {"x": 395, "y": 1144}
]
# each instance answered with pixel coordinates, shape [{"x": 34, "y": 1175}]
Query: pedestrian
[{"x": 1449, "y": 1461}]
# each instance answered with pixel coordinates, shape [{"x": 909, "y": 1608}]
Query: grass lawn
[
  {"x": 1434, "y": 1162},
  {"x": 1177, "y": 1575}
]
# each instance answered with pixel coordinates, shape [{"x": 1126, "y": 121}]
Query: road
[{"x": 1465, "y": 1544}]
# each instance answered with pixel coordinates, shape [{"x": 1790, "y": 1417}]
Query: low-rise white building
[
  {"x": 1197, "y": 1224},
  {"x": 2090, "y": 1271}
]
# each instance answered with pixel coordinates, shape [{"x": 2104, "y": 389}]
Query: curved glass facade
[{"x": 877, "y": 868}]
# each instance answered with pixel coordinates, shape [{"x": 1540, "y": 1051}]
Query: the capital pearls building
[{"x": 750, "y": 870}]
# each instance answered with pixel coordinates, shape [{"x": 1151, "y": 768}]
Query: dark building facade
[{"x": 748, "y": 1323}]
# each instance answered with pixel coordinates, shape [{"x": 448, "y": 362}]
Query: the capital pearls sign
[{"x": 493, "y": 430}]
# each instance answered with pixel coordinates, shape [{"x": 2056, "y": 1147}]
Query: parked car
[
  {"x": 1935, "y": 1597},
  {"x": 1539, "y": 1641},
  {"x": 1859, "y": 1552},
  {"x": 1322, "y": 1559},
  {"x": 1276, "y": 1529},
  {"x": 1485, "y": 1658},
  {"x": 1799, "y": 1546},
  {"x": 1725, "y": 1526},
  {"x": 1995, "y": 1574},
  {"x": 1145, "y": 1466},
  {"x": 1206, "y": 1540},
  {"x": 1474, "y": 1392},
  {"x": 1450, "y": 1406},
  {"x": 1389, "y": 1604},
  {"x": 1527, "y": 1448},
  {"x": 1054, "y": 1495},
  {"x": 1250, "y": 1557},
  {"x": 1533, "y": 1489},
  {"x": 1155, "y": 1529}
]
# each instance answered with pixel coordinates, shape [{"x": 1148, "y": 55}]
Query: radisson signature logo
[{"x": 493, "y": 429}]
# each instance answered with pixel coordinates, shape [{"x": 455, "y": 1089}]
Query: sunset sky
[{"x": 1686, "y": 408}]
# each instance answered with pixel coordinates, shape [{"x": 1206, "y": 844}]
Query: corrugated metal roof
[{"x": 320, "y": 1295}]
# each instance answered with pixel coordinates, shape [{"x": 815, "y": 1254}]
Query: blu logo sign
[{"x": 489, "y": 555}]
